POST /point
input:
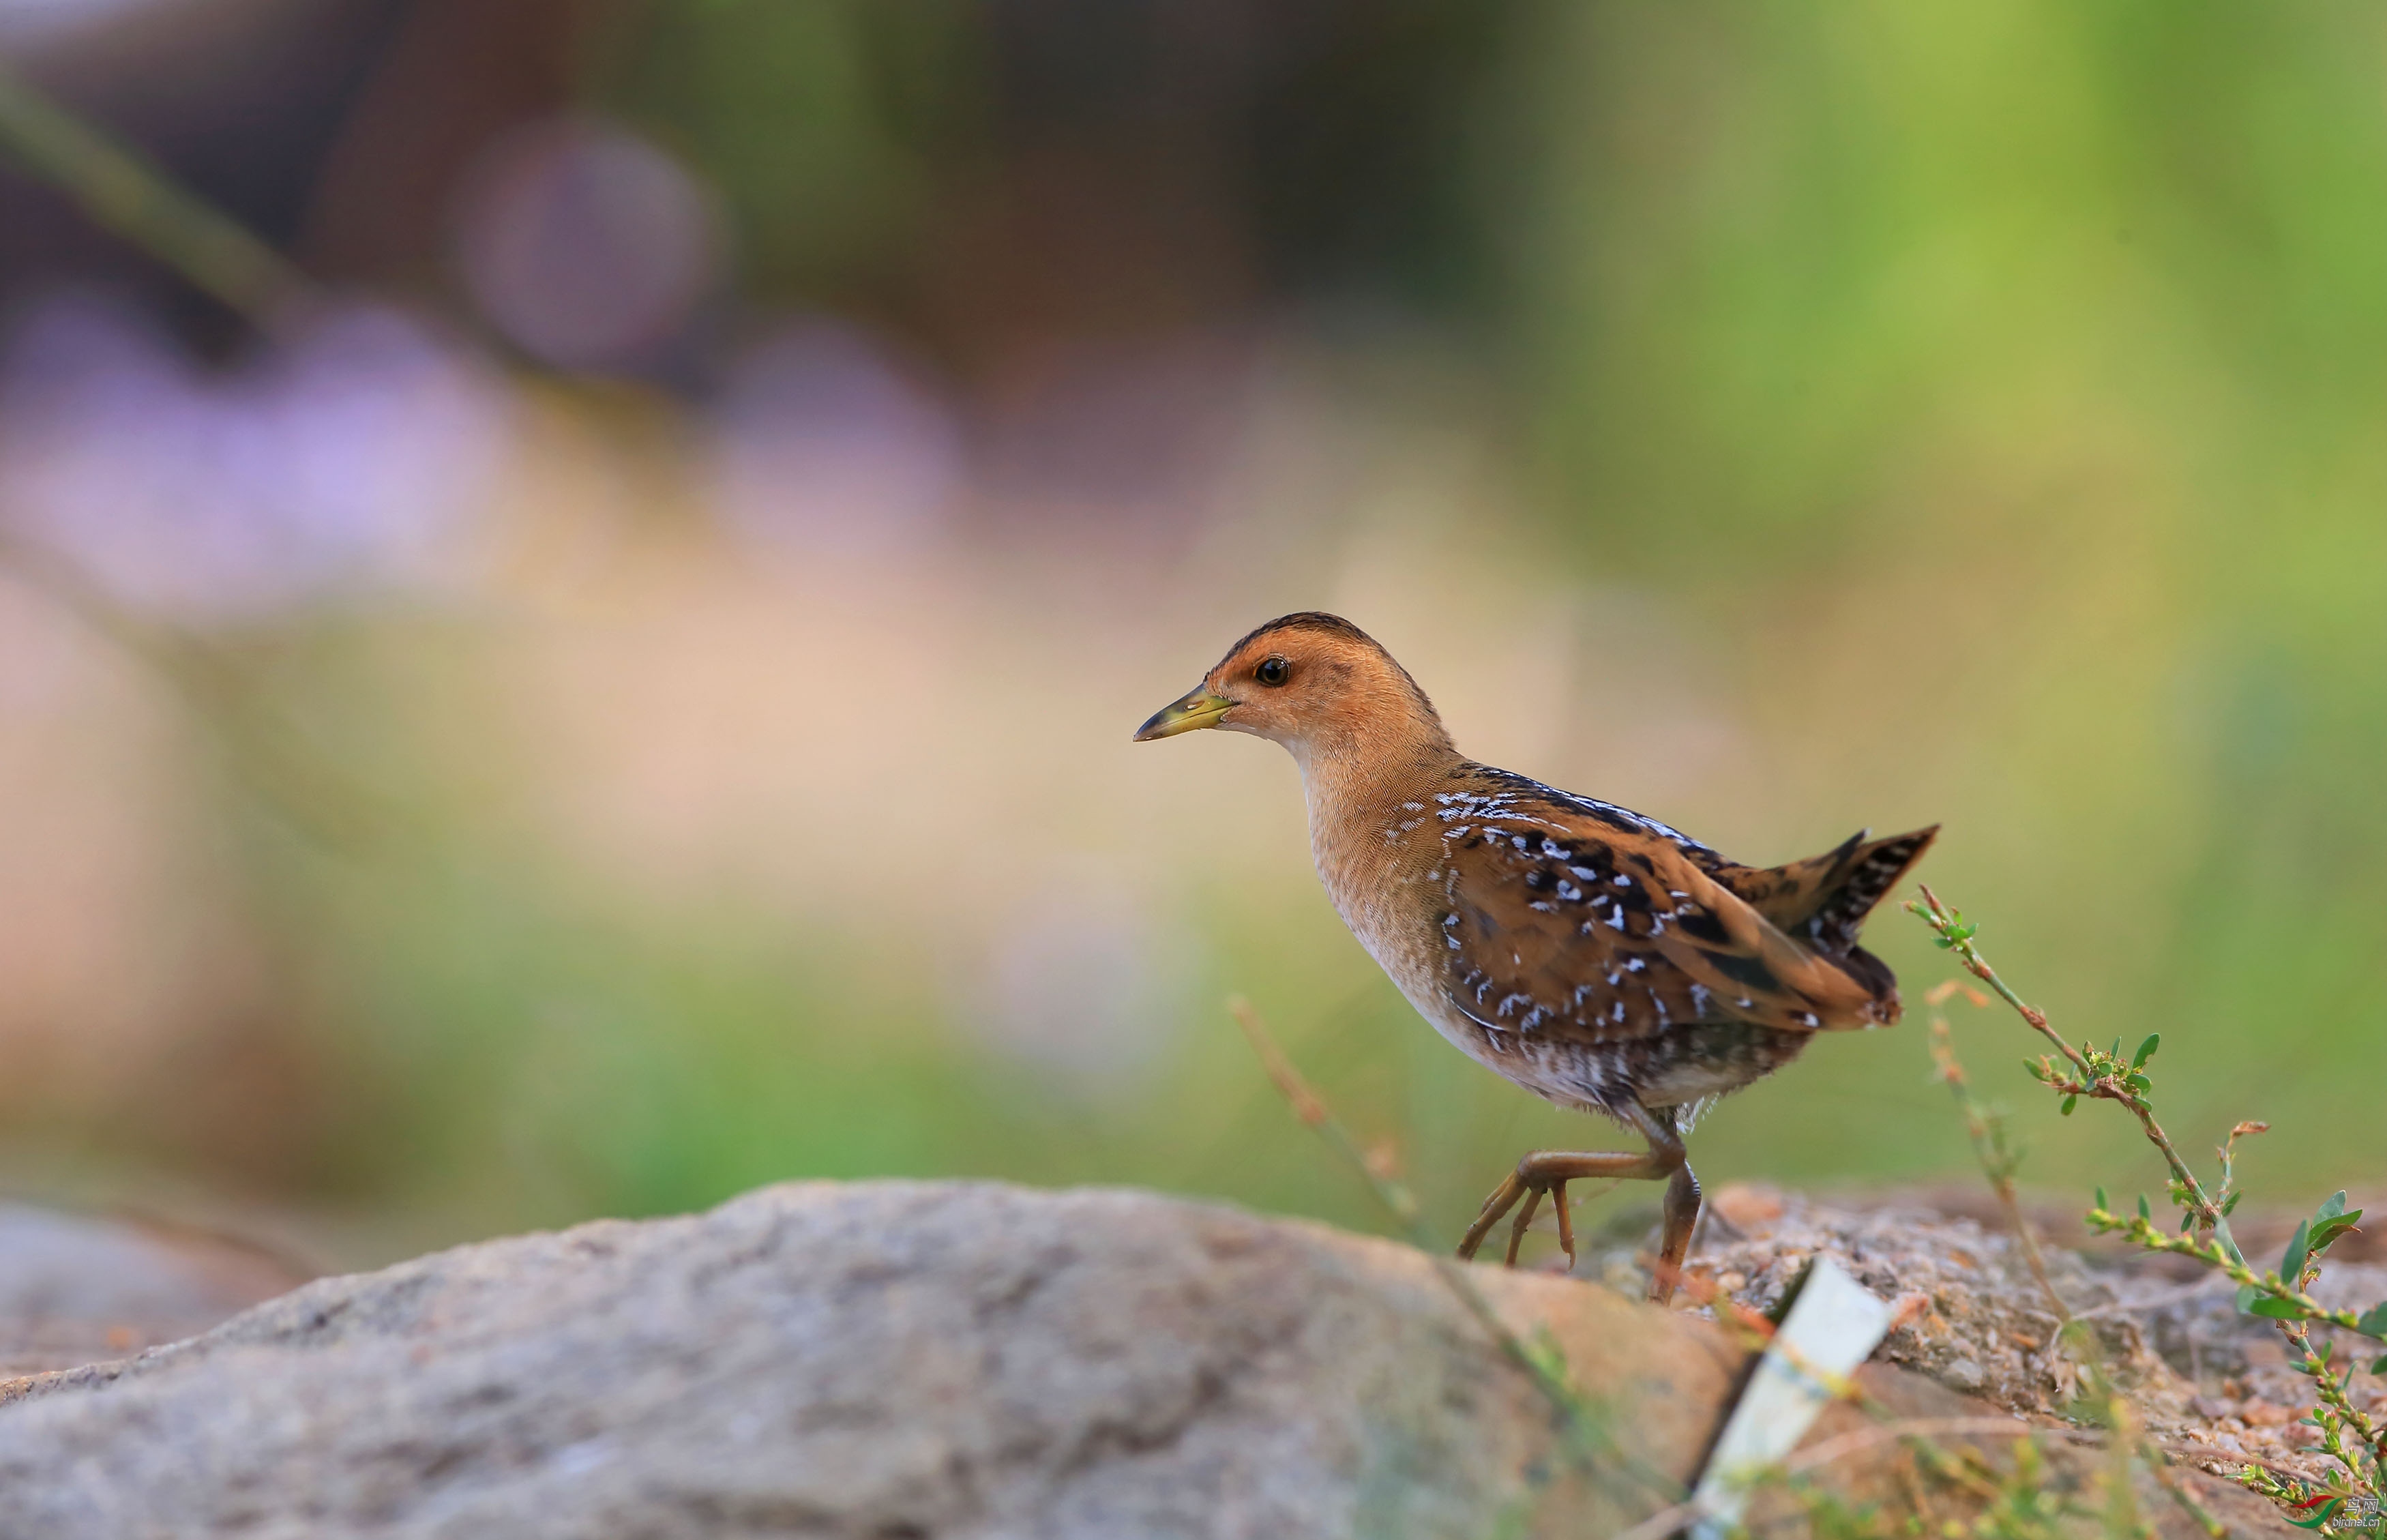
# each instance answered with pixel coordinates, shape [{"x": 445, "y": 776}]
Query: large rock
[
  {"x": 880, "y": 1360},
  {"x": 895, "y": 1360}
]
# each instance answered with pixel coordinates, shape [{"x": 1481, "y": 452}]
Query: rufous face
[
  {"x": 1303, "y": 685},
  {"x": 1291, "y": 685}
]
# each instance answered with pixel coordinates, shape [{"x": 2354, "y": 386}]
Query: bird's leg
[
  {"x": 1681, "y": 1206},
  {"x": 1547, "y": 1172},
  {"x": 1682, "y": 1215}
]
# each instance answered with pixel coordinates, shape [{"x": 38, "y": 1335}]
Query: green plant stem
[
  {"x": 2104, "y": 1076},
  {"x": 2209, "y": 1213},
  {"x": 2336, "y": 1410},
  {"x": 2329, "y": 1387},
  {"x": 2143, "y": 1231},
  {"x": 123, "y": 191}
]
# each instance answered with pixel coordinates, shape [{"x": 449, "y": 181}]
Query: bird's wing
[{"x": 1567, "y": 918}]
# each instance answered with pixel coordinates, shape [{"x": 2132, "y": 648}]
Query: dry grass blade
[
  {"x": 1668, "y": 1522},
  {"x": 1997, "y": 1162}
]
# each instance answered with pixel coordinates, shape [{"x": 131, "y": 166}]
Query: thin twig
[{"x": 1996, "y": 1164}]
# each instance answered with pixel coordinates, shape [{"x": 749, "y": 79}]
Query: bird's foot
[{"x": 1549, "y": 1171}]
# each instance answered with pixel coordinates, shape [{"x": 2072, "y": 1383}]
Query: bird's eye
[{"x": 1275, "y": 671}]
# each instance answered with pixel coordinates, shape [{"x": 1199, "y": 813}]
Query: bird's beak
[{"x": 1197, "y": 708}]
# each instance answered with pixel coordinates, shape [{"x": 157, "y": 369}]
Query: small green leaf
[
  {"x": 2136, "y": 1081},
  {"x": 2230, "y": 1204},
  {"x": 2373, "y": 1322},
  {"x": 2144, "y": 1212},
  {"x": 2380, "y": 1367},
  {"x": 2070, "y": 1103},
  {"x": 2331, "y": 1206},
  {"x": 2277, "y": 1309},
  {"x": 2291, "y": 1261},
  {"x": 2247, "y": 1294},
  {"x": 2146, "y": 1050},
  {"x": 2326, "y": 1231},
  {"x": 2033, "y": 1068},
  {"x": 2101, "y": 1199}
]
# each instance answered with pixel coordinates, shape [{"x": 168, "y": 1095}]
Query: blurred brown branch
[{"x": 125, "y": 191}]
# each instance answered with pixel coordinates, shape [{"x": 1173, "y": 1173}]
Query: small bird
[{"x": 1590, "y": 954}]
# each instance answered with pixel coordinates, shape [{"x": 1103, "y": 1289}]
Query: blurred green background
[{"x": 623, "y": 695}]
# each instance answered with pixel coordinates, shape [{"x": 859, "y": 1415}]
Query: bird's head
[{"x": 1313, "y": 682}]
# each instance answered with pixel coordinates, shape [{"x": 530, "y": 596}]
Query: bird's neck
[
  {"x": 1352, "y": 782},
  {"x": 1372, "y": 833}
]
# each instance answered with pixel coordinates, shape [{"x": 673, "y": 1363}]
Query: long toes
[
  {"x": 1480, "y": 1228},
  {"x": 1503, "y": 1198},
  {"x": 1524, "y": 1219}
]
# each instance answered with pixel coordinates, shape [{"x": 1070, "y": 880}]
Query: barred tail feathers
[{"x": 1833, "y": 928}]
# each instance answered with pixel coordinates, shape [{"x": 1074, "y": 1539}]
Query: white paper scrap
[{"x": 1833, "y": 1325}]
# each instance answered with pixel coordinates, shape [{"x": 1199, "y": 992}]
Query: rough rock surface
[
  {"x": 1977, "y": 1320},
  {"x": 898, "y": 1362},
  {"x": 882, "y": 1360}
]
